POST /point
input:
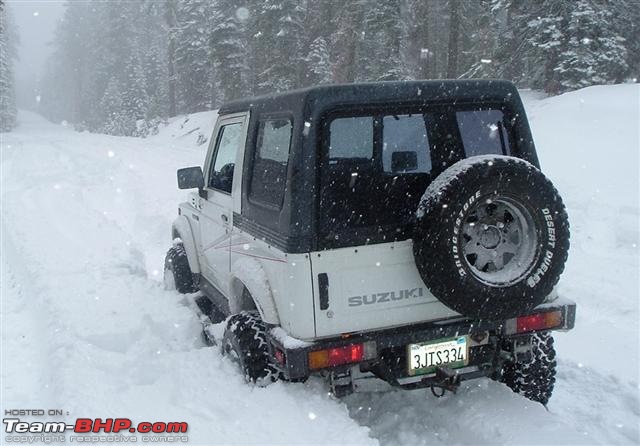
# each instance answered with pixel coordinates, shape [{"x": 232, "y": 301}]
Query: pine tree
[
  {"x": 454, "y": 39},
  {"x": 593, "y": 52},
  {"x": 135, "y": 100},
  {"x": 229, "y": 49},
  {"x": 151, "y": 48},
  {"x": 346, "y": 40},
  {"x": 117, "y": 120},
  {"x": 277, "y": 53},
  {"x": 380, "y": 49},
  {"x": 194, "y": 59},
  {"x": 8, "y": 110},
  {"x": 318, "y": 27},
  {"x": 318, "y": 62},
  {"x": 420, "y": 45},
  {"x": 626, "y": 20},
  {"x": 170, "y": 22}
]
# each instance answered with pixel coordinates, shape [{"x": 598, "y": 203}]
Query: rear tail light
[
  {"x": 535, "y": 322},
  {"x": 280, "y": 357},
  {"x": 348, "y": 354}
]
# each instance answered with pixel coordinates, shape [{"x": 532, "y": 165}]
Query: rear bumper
[{"x": 291, "y": 356}]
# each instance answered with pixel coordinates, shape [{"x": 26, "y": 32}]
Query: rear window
[
  {"x": 376, "y": 166},
  {"x": 405, "y": 145},
  {"x": 270, "y": 162}
]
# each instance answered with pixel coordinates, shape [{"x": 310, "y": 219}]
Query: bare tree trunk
[
  {"x": 425, "y": 45},
  {"x": 454, "y": 38},
  {"x": 345, "y": 41},
  {"x": 171, "y": 53}
]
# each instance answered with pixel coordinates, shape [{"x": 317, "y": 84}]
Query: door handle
[{"x": 225, "y": 219}]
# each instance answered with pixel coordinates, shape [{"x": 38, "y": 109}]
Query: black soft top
[
  {"x": 296, "y": 226},
  {"x": 327, "y": 96}
]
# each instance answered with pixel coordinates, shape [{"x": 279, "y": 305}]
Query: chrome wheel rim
[{"x": 499, "y": 241}]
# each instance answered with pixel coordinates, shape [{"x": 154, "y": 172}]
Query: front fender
[
  {"x": 248, "y": 272},
  {"x": 181, "y": 229}
]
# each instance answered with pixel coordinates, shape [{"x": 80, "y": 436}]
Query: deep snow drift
[{"x": 88, "y": 328}]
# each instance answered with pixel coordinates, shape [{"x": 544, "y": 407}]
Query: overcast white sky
[{"x": 36, "y": 21}]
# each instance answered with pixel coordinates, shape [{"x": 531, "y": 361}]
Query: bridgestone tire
[
  {"x": 491, "y": 237},
  {"x": 534, "y": 380},
  {"x": 245, "y": 342},
  {"x": 177, "y": 273}
]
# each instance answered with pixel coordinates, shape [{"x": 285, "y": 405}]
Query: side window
[
  {"x": 483, "y": 132},
  {"x": 351, "y": 138},
  {"x": 405, "y": 146},
  {"x": 270, "y": 161},
  {"x": 228, "y": 143}
]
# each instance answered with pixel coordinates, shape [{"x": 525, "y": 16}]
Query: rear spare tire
[{"x": 491, "y": 237}]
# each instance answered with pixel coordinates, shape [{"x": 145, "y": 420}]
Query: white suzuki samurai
[{"x": 394, "y": 231}]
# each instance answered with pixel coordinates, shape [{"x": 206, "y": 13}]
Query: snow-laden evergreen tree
[
  {"x": 194, "y": 58},
  {"x": 593, "y": 51},
  {"x": 135, "y": 100},
  {"x": 346, "y": 39},
  {"x": 379, "y": 52},
  {"x": 229, "y": 49},
  {"x": 318, "y": 63},
  {"x": 152, "y": 50},
  {"x": 626, "y": 19},
  {"x": 547, "y": 38},
  {"x": 8, "y": 110},
  {"x": 316, "y": 42},
  {"x": 117, "y": 120},
  {"x": 479, "y": 42},
  {"x": 68, "y": 92},
  {"x": 276, "y": 38}
]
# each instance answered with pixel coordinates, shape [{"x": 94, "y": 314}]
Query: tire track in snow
[{"x": 125, "y": 346}]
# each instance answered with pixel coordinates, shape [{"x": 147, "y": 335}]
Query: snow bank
[
  {"x": 87, "y": 326},
  {"x": 188, "y": 130}
]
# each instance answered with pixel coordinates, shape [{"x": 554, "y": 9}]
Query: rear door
[
  {"x": 375, "y": 168},
  {"x": 370, "y": 287}
]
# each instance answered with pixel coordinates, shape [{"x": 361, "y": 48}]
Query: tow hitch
[{"x": 446, "y": 379}]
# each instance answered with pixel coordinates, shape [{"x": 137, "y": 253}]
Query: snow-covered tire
[
  {"x": 245, "y": 341},
  {"x": 535, "y": 379},
  {"x": 491, "y": 237},
  {"x": 177, "y": 273}
]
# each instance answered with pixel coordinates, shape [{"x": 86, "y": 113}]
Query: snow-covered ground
[{"x": 88, "y": 328}]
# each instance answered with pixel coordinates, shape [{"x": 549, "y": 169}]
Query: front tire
[
  {"x": 534, "y": 380},
  {"x": 177, "y": 273},
  {"x": 245, "y": 342}
]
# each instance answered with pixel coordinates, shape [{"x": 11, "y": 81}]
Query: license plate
[{"x": 425, "y": 357}]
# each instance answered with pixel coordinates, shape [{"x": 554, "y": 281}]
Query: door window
[
  {"x": 221, "y": 173},
  {"x": 270, "y": 162}
]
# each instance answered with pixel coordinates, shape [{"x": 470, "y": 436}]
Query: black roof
[{"x": 377, "y": 92}]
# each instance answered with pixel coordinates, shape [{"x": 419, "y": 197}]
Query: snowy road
[{"x": 87, "y": 327}]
